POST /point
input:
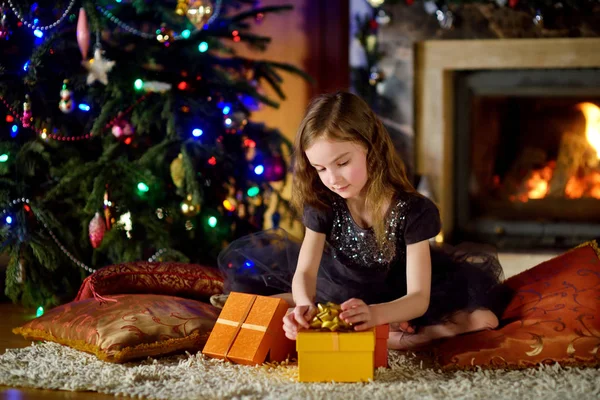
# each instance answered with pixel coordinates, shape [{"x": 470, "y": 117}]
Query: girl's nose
[{"x": 332, "y": 178}]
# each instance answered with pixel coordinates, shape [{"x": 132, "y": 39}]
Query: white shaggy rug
[{"x": 52, "y": 366}]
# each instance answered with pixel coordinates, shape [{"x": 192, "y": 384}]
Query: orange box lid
[{"x": 247, "y": 328}]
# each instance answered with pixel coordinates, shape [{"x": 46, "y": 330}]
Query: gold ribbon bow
[{"x": 327, "y": 319}]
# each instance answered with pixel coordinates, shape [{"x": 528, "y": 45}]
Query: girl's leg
[
  {"x": 462, "y": 322},
  {"x": 287, "y": 297}
]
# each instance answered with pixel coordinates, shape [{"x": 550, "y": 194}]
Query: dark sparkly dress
[{"x": 353, "y": 266}]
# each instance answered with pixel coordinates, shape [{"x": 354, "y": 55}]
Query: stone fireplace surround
[{"x": 435, "y": 64}]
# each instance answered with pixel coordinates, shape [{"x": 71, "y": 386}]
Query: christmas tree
[{"x": 126, "y": 136}]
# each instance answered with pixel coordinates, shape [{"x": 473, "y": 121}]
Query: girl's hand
[
  {"x": 298, "y": 318},
  {"x": 356, "y": 311}
]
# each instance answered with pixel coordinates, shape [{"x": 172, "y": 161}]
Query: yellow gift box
[{"x": 335, "y": 356}]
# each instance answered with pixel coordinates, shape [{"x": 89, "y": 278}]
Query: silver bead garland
[
  {"x": 157, "y": 254},
  {"x": 60, "y": 245},
  {"x": 33, "y": 25},
  {"x": 53, "y": 236},
  {"x": 146, "y": 35}
]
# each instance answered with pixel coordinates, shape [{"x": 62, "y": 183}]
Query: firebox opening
[{"x": 528, "y": 157}]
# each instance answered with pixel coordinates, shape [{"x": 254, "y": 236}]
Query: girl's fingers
[
  {"x": 361, "y": 317},
  {"x": 352, "y": 303}
]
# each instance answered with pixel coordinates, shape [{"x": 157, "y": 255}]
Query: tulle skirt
[{"x": 463, "y": 278}]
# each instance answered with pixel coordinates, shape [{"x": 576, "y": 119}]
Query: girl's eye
[
  {"x": 320, "y": 170},
  {"x": 344, "y": 163}
]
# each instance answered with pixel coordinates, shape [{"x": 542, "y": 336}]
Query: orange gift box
[
  {"x": 382, "y": 332},
  {"x": 249, "y": 329}
]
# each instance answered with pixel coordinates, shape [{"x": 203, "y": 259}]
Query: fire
[
  {"x": 585, "y": 182},
  {"x": 592, "y": 124},
  {"x": 538, "y": 183}
]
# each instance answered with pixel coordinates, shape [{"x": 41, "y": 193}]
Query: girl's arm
[
  {"x": 418, "y": 284},
  {"x": 304, "y": 283}
]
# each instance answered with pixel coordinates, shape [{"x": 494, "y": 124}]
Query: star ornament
[{"x": 98, "y": 68}]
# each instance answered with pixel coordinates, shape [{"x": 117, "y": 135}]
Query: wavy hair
[{"x": 346, "y": 117}]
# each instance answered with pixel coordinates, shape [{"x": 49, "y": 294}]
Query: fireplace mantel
[{"x": 435, "y": 64}]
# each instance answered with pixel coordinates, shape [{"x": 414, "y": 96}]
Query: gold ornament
[
  {"x": 177, "y": 172},
  {"x": 199, "y": 12},
  {"x": 189, "y": 208},
  {"x": 182, "y": 7}
]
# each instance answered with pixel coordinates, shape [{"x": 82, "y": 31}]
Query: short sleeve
[
  {"x": 422, "y": 222},
  {"x": 317, "y": 220}
]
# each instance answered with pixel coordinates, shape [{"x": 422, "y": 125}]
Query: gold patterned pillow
[
  {"x": 554, "y": 317},
  {"x": 132, "y": 327}
]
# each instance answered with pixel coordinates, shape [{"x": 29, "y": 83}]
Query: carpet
[{"x": 52, "y": 366}]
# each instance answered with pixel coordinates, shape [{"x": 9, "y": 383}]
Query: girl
[{"x": 366, "y": 244}]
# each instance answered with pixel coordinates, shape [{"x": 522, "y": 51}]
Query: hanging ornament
[
  {"x": 410, "y": 2},
  {"x": 156, "y": 86},
  {"x": 235, "y": 121},
  {"x": 189, "y": 208},
  {"x": 109, "y": 220},
  {"x": 199, "y": 12},
  {"x": 275, "y": 169},
  {"x": 376, "y": 3},
  {"x": 122, "y": 127},
  {"x": 20, "y": 272},
  {"x": 66, "y": 104},
  {"x": 126, "y": 224},
  {"x": 513, "y": 3},
  {"x": 382, "y": 17},
  {"x": 538, "y": 18},
  {"x": 177, "y": 172},
  {"x": 4, "y": 31},
  {"x": 98, "y": 67},
  {"x": 97, "y": 229},
  {"x": 27, "y": 115},
  {"x": 375, "y": 76},
  {"x": 182, "y": 7},
  {"x": 501, "y": 3},
  {"x": 83, "y": 34},
  {"x": 445, "y": 17},
  {"x": 165, "y": 36}
]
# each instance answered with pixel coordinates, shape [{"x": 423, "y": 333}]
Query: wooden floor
[{"x": 12, "y": 316}]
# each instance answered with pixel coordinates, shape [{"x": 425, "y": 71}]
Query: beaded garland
[
  {"x": 81, "y": 264},
  {"x": 33, "y": 25}
]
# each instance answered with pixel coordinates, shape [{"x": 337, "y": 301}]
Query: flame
[
  {"x": 592, "y": 124},
  {"x": 537, "y": 185},
  {"x": 580, "y": 186}
]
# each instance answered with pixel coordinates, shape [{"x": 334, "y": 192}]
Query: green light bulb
[
  {"x": 39, "y": 312},
  {"x": 142, "y": 187},
  {"x": 138, "y": 84},
  {"x": 253, "y": 191},
  {"x": 4, "y": 158},
  {"x": 212, "y": 222}
]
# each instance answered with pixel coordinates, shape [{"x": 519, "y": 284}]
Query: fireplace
[
  {"x": 527, "y": 157},
  {"x": 512, "y": 91}
]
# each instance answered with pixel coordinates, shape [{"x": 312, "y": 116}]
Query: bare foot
[{"x": 401, "y": 327}]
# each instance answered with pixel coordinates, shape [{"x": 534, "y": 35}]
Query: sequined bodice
[{"x": 357, "y": 248}]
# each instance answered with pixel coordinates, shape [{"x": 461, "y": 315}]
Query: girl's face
[{"x": 342, "y": 166}]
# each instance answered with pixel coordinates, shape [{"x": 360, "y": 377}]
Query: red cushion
[
  {"x": 168, "y": 278},
  {"x": 554, "y": 317}
]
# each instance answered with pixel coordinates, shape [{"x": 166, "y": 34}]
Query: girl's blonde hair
[{"x": 346, "y": 117}]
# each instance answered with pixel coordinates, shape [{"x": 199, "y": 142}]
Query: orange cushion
[
  {"x": 554, "y": 317},
  {"x": 134, "y": 326},
  {"x": 169, "y": 278}
]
